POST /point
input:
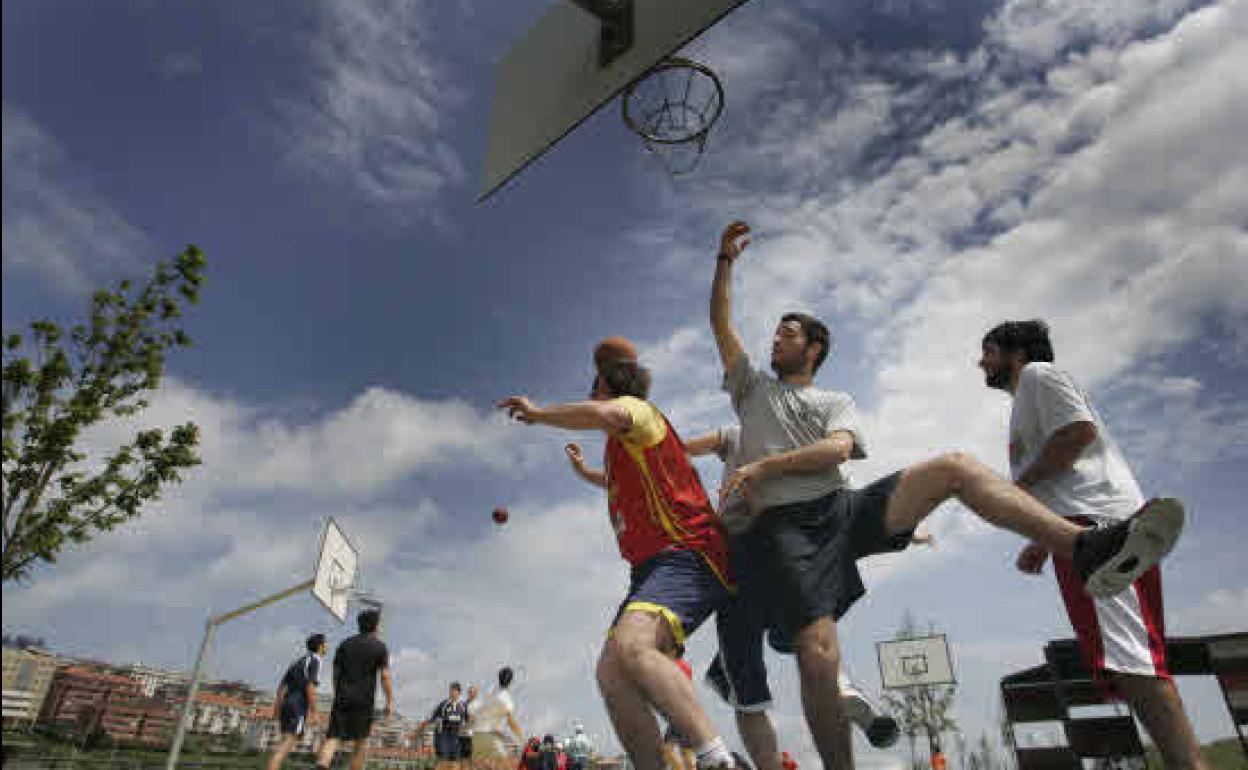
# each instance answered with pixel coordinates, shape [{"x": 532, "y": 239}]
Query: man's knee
[
  {"x": 817, "y": 647},
  {"x": 954, "y": 469}
]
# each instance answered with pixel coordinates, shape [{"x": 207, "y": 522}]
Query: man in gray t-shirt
[{"x": 812, "y": 528}]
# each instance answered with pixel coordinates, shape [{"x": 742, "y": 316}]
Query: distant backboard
[
  {"x": 912, "y": 662},
  {"x": 337, "y": 566},
  {"x": 552, "y": 79}
]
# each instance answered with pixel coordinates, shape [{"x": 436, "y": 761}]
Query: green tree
[
  {"x": 57, "y": 385},
  {"x": 922, "y": 709}
]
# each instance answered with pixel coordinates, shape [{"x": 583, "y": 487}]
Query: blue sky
[{"x": 917, "y": 172}]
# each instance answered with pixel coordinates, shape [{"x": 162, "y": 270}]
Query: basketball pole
[{"x": 210, "y": 627}]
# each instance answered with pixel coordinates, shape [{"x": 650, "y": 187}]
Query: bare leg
[
  {"x": 326, "y": 755},
  {"x": 759, "y": 736},
  {"x": 818, "y": 661},
  {"x": 283, "y": 748},
  {"x": 629, "y": 712},
  {"x": 359, "y": 754},
  {"x": 1156, "y": 702},
  {"x": 643, "y": 640},
  {"x": 691, "y": 759},
  {"x": 925, "y": 486}
]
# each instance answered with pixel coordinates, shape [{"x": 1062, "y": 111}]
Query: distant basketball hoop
[
  {"x": 915, "y": 662},
  {"x": 673, "y": 107}
]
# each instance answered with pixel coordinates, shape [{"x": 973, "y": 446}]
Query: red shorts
[{"x": 1124, "y": 634}]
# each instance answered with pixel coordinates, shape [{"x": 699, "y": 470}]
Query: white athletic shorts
[{"x": 1124, "y": 634}]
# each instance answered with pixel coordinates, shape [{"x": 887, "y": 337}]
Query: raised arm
[
  {"x": 591, "y": 475},
  {"x": 731, "y": 243},
  {"x": 578, "y": 415},
  {"x": 706, "y": 444}
]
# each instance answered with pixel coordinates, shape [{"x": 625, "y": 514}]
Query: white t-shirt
[
  {"x": 735, "y": 516},
  {"x": 1100, "y": 485},
  {"x": 491, "y": 714},
  {"x": 777, "y": 417}
]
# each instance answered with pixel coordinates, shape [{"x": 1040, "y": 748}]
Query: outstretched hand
[
  {"x": 575, "y": 455},
  {"x": 734, "y": 240},
  {"x": 519, "y": 408},
  {"x": 1032, "y": 558}
]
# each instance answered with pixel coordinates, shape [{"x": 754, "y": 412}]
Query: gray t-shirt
[{"x": 777, "y": 417}]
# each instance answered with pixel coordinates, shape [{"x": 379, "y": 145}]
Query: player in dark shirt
[
  {"x": 357, "y": 662},
  {"x": 449, "y": 717},
  {"x": 294, "y": 708}
]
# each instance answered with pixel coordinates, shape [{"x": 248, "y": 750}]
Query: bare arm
[
  {"x": 277, "y": 701},
  {"x": 578, "y": 415},
  {"x": 591, "y": 475},
  {"x": 310, "y": 692},
  {"x": 818, "y": 456},
  {"x": 388, "y": 688},
  {"x": 1059, "y": 453},
  {"x": 515, "y": 726},
  {"x": 704, "y": 445},
  {"x": 812, "y": 458},
  {"x": 731, "y": 243}
]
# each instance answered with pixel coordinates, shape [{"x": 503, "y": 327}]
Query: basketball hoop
[{"x": 672, "y": 107}]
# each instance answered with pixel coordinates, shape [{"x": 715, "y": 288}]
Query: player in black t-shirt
[
  {"x": 357, "y": 662},
  {"x": 294, "y": 708}
]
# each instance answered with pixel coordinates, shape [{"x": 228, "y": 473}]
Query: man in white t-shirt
[
  {"x": 494, "y": 717},
  {"x": 1061, "y": 452}
]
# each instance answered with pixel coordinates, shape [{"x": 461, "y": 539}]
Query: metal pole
[
  {"x": 180, "y": 733},
  {"x": 209, "y": 628}
]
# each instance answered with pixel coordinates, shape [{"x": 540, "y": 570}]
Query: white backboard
[
  {"x": 337, "y": 566},
  {"x": 912, "y": 662},
  {"x": 550, "y": 80}
]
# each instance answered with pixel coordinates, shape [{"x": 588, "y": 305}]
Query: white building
[{"x": 151, "y": 678}]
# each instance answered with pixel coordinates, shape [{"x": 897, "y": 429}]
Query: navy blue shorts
[
  {"x": 678, "y": 586},
  {"x": 291, "y": 718},
  {"x": 810, "y": 552},
  {"x": 737, "y": 672},
  {"x": 446, "y": 745}
]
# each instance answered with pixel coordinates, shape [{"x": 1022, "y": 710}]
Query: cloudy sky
[{"x": 916, "y": 172}]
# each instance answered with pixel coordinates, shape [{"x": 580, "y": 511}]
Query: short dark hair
[
  {"x": 815, "y": 332},
  {"x": 1031, "y": 338},
  {"x": 456, "y": 686},
  {"x": 505, "y": 675},
  {"x": 626, "y": 378},
  {"x": 315, "y": 641},
  {"x": 368, "y": 620}
]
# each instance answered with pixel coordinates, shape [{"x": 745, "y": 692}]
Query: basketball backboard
[
  {"x": 337, "y": 566},
  {"x": 913, "y": 662},
  {"x": 554, "y": 76}
]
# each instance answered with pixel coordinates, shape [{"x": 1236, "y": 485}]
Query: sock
[{"x": 714, "y": 754}]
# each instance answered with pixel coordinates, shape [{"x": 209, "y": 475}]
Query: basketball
[
  {"x": 613, "y": 349},
  {"x": 500, "y": 515}
]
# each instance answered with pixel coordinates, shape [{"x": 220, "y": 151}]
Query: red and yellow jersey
[{"x": 655, "y": 497}]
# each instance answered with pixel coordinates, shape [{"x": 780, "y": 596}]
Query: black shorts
[
  {"x": 811, "y": 549},
  {"x": 465, "y": 747},
  {"x": 350, "y": 723},
  {"x": 446, "y": 745}
]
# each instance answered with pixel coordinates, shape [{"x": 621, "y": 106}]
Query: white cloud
[
  {"x": 1222, "y": 611},
  {"x": 381, "y": 101},
  {"x": 55, "y": 226}
]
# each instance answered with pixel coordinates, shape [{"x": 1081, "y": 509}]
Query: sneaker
[
  {"x": 880, "y": 729},
  {"x": 1109, "y": 559}
]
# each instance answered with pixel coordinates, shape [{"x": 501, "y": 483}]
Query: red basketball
[{"x": 500, "y": 515}]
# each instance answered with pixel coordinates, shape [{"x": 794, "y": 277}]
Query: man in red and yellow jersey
[{"x": 672, "y": 539}]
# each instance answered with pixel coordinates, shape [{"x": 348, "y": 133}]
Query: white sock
[{"x": 714, "y": 754}]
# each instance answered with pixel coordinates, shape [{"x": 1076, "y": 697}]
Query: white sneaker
[{"x": 880, "y": 728}]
